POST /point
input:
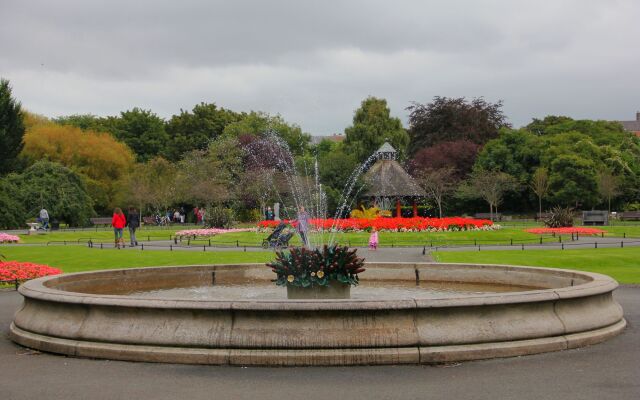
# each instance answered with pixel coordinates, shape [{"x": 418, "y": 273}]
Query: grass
[
  {"x": 621, "y": 264},
  {"x": 80, "y": 258},
  {"x": 502, "y": 236},
  {"x": 102, "y": 235}
]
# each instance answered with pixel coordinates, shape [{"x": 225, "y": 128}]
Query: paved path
[{"x": 610, "y": 370}]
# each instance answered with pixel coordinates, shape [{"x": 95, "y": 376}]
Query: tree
[
  {"x": 450, "y": 119},
  {"x": 88, "y": 122},
  {"x": 489, "y": 186},
  {"x": 458, "y": 155},
  {"x": 572, "y": 181},
  {"x": 335, "y": 170},
  {"x": 438, "y": 183},
  {"x": 142, "y": 130},
  {"x": 372, "y": 126},
  {"x": 261, "y": 124},
  {"x": 608, "y": 185},
  {"x": 55, "y": 187},
  {"x": 200, "y": 180},
  {"x": 11, "y": 128},
  {"x": 193, "y": 130},
  {"x": 98, "y": 157},
  {"x": 153, "y": 185},
  {"x": 540, "y": 186},
  {"x": 12, "y": 212}
]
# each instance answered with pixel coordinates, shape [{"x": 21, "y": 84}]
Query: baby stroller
[{"x": 278, "y": 238}]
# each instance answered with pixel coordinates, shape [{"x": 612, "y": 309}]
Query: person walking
[
  {"x": 118, "y": 221},
  {"x": 44, "y": 218},
  {"x": 133, "y": 222},
  {"x": 303, "y": 226}
]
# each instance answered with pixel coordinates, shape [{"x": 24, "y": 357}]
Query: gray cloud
[{"x": 314, "y": 62}]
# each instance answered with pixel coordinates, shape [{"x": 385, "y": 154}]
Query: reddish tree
[{"x": 458, "y": 154}]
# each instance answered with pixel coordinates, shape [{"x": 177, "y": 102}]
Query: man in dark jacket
[{"x": 133, "y": 222}]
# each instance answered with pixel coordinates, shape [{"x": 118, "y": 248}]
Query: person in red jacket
[{"x": 118, "y": 222}]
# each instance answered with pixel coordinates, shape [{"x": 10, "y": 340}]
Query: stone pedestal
[{"x": 335, "y": 290}]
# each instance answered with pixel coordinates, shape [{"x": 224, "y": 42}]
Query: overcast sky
[{"x": 315, "y": 61}]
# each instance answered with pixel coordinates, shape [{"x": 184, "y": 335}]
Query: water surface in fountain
[{"x": 368, "y": 290}]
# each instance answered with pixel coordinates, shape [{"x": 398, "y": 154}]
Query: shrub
[
  {"x": 219, "y": 217},
  {"x": 560, "y": 217}
]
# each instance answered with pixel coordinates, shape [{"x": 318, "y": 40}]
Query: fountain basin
[{"x": 101, "y": 315}]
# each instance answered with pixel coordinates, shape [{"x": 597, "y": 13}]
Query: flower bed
[
  {"x": 6, "y": 238},
  {"x": 417, "y": 224},
  {"x": 210, "y": 232},
  {"x": 566, "y": 231},
  {"x": 22, "y": 271}
]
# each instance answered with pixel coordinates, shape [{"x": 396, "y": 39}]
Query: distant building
[
  {"x": 338, "y": 137},
  {"x": 632, "y": 126}
]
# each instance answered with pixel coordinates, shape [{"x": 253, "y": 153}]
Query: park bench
[
  {"x": 629, "y": 215},
  {"x": 100, "y": 221},
  {"x": 595, "y": 217},
  {"x": 149, "y": 220},
  {"x": 493, "y": 217}
]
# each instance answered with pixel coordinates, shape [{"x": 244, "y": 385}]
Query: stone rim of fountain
[{"x": 577, "y": 315}]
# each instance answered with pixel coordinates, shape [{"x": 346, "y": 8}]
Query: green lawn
[
  {"x": 621, "y": 264},
  {"x": 103, "y": 235},
  {"x": 501, "y": 236},
  {"x": 80, "y": 258}
]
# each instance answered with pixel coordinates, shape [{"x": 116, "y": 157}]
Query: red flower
[
  {"x": 22, "y": 271},
  {"x": 391, "y": 224},
  {"x": 566, "y": 231}
]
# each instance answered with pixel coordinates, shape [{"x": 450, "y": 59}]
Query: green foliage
[
  {"x": 12, "y": 213},
  {"x": 11, "y": 129},
  {"x": 372, "y": 126},
  {"x": 632, "y": 206},
  {"x": 572, "y": 181},
  {"x": 219, "y": 217},
  {"x": 515, "y": 152},
  {"x": 302, "y": 267},
  {"x": 152, "y": 184},
  {"x": 58, "y": 189},
  {"x": 572, "y": 152},
  {"x": 193, "y": 130},
  {"x": 142, "y": 130},
  {"x": 335, "y": 168},
  {"x": 260, "y": 123},
  {"x": 87, "y": 122},
  {"x": 560, "y": 217}
]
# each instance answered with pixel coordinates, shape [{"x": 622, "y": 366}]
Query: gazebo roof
[{"x": 387, "y": 178}]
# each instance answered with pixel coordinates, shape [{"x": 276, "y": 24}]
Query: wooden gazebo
[{"x": 387, "y": 180}]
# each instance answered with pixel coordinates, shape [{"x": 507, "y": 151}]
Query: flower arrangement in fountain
[{"x": 302, "y": 267}]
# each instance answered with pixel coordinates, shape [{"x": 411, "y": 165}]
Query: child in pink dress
[{"x": 373, "y": 239}]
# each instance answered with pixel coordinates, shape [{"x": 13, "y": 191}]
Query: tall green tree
[
  {"x": 142, "y": 130},
  {"x": 12, "y": 212},
  {"x": 11, "y": 128},
  {"x": 573, "y": 181},
  {"x": 335, "y": 168},
  {"x": 55, "y": 187},
  {"x": 193, "y": 130},
  {"x": 372, "y": 126}
]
